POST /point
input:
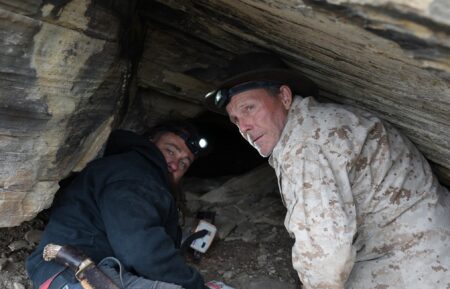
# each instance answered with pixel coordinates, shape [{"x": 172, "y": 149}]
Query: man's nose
[
  {"x": 173, "y": 165},
  {"x": 245, "y": 125}
]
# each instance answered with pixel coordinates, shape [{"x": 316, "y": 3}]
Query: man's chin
[
  {"x": 266, "y": 155},
  {"x": 259, "y": 149},
  {"x": 261, "y": 152},
  {"x": 174, "y": 181}
]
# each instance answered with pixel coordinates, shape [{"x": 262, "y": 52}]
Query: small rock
[
  {"x": 38, "y": 222},
  {"x": 227, "y": 275},
  {"x": 18, "y": 286},
  {"x": 17, "y": 245},
  {"x": 262, "y": 259},
  {"x": 33, "y": 236},
  {"x": 227, "y": 218},
  {"x": 3, "y": 263},
  {"x": 270, "y": 237}
]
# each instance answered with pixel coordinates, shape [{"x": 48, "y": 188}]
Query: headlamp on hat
[
  {"x": 222, "y": 96},
  {"x": 257, "y": 70}
]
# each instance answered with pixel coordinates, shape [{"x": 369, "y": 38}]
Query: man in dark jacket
[{"x": 122, "y": 206}]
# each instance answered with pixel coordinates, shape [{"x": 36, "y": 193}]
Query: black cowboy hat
[{"x": 256, "y": 70}]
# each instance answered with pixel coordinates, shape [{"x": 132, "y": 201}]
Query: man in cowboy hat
[{"x": 362, "y": 202}]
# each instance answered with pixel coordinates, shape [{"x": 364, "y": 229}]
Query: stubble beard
[{"x": 257, "y": 148}]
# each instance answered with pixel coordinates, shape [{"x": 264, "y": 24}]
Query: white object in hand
[{"x": 202, "y": 244}]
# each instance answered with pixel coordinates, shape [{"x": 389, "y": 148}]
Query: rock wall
[
  {"x": 390, "y": 57},
  {"x": 60, "y": 80},
  {"x": 69, "y": 72}
]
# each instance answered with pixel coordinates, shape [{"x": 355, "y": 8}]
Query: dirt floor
[
  {"x": 13, "y": 251},
  {"x": 251, "y": 264},
  {"x": 259, "y": 263}
]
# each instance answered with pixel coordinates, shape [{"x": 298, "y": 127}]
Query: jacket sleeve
[
  {"x": 133, "y": 216},
  {"x": 321, "y": 216}
]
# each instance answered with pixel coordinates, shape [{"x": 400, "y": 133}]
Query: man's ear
[{"x": 285, "y": 96}]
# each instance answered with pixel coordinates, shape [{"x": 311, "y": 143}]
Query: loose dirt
[{"x": 238, "y": 263}]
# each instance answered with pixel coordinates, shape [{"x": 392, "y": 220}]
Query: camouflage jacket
[{"x": 346, "y": 179}]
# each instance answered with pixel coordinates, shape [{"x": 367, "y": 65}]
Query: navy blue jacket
[{"x": 121, "y": 206}]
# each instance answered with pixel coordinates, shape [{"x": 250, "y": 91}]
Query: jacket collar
[{"x": 287, "y": 130}]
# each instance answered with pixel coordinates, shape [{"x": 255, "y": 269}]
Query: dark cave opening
[{"x": 228, "y": 153}]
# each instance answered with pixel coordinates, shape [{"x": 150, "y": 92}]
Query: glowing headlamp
[
  {"x": 195, "y": 145},
  {"x": 193, "y": 141},
  {"x": 222, "y": 96}
]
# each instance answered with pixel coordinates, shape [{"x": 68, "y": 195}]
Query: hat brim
[{"x": 299, "y": 84}]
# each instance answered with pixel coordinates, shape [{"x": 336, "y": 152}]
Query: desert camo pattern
[{"x": 362, "y": 203}]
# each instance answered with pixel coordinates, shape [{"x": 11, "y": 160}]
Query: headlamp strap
[
  {"x": 251, "y": 85},
  {"x": 222, "y": 96}
]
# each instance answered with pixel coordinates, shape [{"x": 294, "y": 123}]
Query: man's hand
[{"x": 217, "y": 285}]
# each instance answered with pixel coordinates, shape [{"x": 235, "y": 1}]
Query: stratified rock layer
[
  {"x": 65, "y": 83},
  {"x": 59, "y": 80}
]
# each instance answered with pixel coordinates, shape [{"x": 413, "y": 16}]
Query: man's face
[
  {"x": 260, "y": 116},
  {"x": 177, "y": 155}
]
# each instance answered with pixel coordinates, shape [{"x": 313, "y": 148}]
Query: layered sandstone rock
[
  {"x": 65, "y": 82},
  {"x": 60, "y": 79}
]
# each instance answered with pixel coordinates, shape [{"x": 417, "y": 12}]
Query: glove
[{"x": 217, "y": 285}]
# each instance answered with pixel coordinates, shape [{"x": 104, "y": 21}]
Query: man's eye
[
  {"x": 249, "y": 107},
  {"x": 171, "y": 152},
  {"x": 183, "y": 165}
]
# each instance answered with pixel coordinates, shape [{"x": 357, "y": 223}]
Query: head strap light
[
  {"x": 223, "y": 96},
  {"x": 195, "y": 143}
]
